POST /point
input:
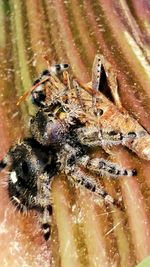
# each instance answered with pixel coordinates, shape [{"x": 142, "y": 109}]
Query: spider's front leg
[
  {"x": 93, "y": 136},
  {"x": 80, "y": 178},
  {"x": 100, "y": 167},
  {"x": 76, "y": 174},
  {"x": 103, "y": 167}
]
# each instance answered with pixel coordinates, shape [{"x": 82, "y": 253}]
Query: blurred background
[{"x": 84, "y": 231}]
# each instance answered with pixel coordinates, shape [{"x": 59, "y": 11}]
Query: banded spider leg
[
  {"x": 80, "y": 170},
  {"x": 44, "y": 203},
  {"x": 92, "y": 136}
]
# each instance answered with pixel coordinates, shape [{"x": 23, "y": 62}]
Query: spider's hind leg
[
  {"x": 46, "y": 221},
  {"x": 44, "y": 203}
]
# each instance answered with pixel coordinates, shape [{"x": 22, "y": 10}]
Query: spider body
[
  {"x": 63, "y": 132},
  {"x": 55, "y": 146}
]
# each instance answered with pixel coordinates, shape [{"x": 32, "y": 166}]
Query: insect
[{"x": 69, "y": 122}]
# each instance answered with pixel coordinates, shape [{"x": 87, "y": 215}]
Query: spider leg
[
  {"x": 46, "y": 218},
  {"x": 78, "y": 177},
  {"x": 105, "y": 167},
  {"x": 116, "y": 138},
  {"x": 92, "y": 137},
  {"x": 44, "y": 203}
]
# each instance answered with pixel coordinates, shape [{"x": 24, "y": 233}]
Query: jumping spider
[{"x": 60, "y": 141}]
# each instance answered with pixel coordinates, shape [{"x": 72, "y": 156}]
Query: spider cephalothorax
[{"x": 63, "y": 131}]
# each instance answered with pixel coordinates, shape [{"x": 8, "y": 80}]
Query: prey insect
[
  {"x": 116, "y": 126},
  {"x": 69, "y": 122}
]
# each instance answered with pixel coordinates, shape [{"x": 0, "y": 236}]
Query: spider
[{"x": 62, "y": 135}]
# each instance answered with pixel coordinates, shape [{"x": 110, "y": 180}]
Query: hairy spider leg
[
  {"x": 24, "y": 96},
  {"x": 79, "y": 177},
  {"x": 105, "y": 168},
  {"x": 55, "y": 69},
  {"x": 44, "y": 203},
  {"x": 92, "y": 136}
]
